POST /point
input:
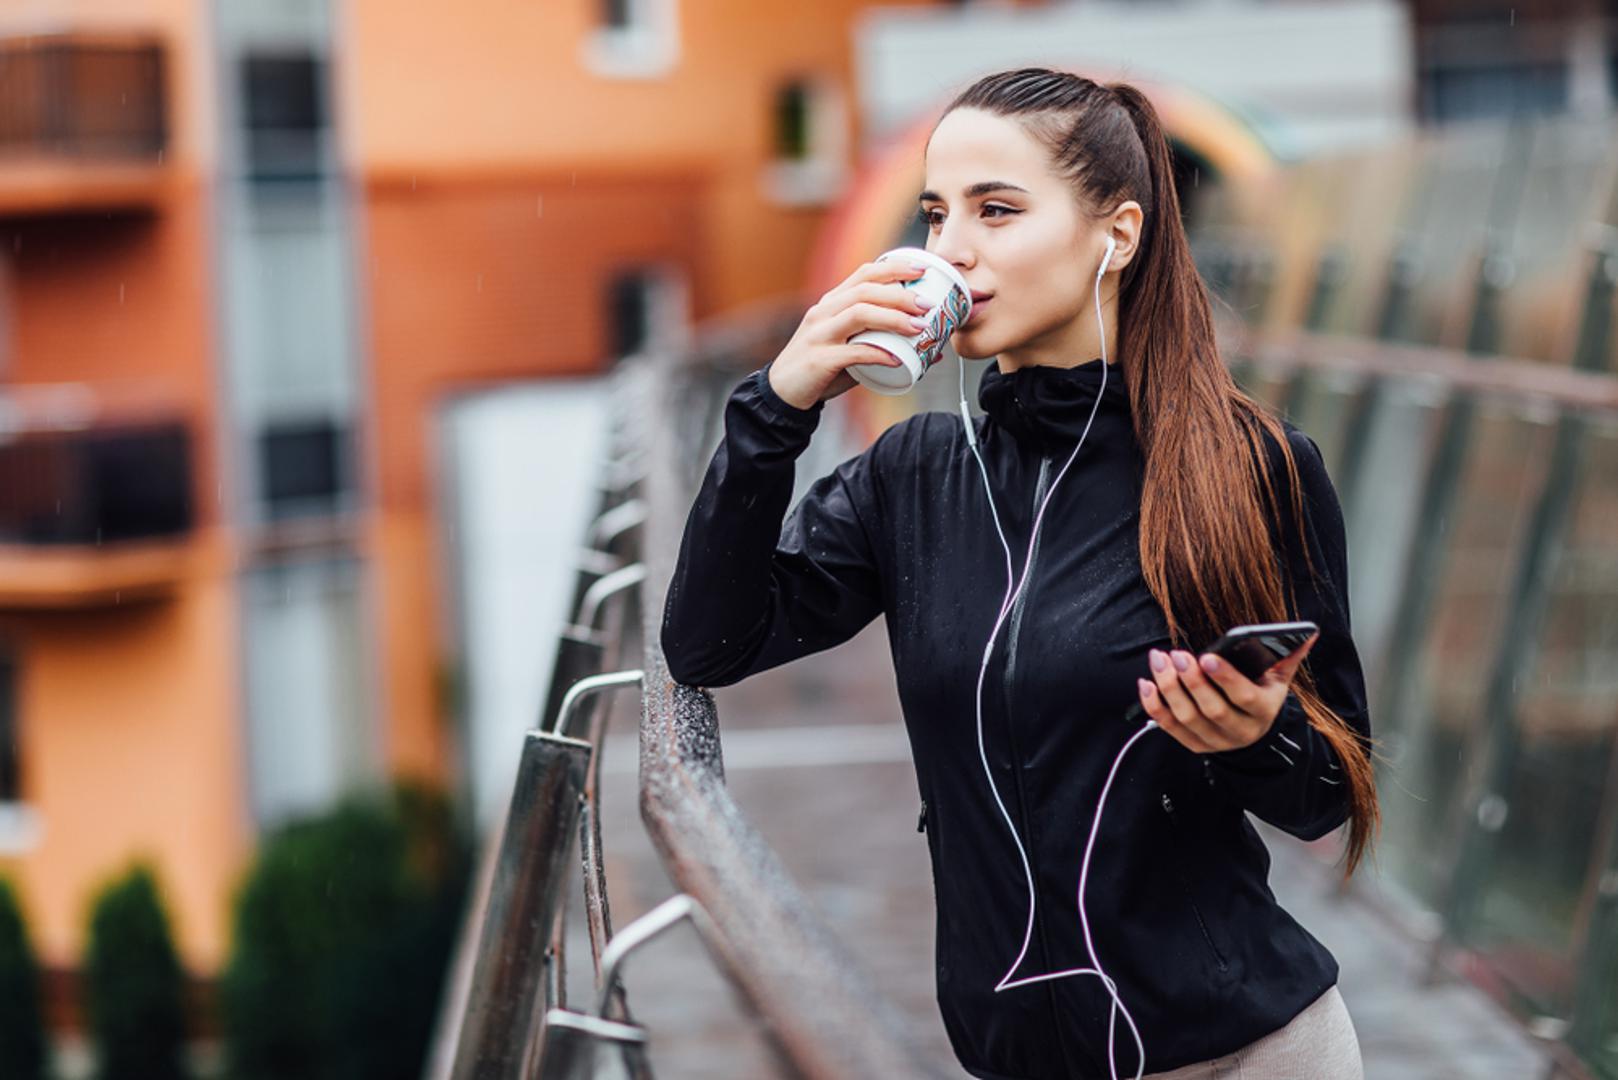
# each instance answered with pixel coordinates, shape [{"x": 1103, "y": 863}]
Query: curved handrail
[{"x": 824, "y": 1017}]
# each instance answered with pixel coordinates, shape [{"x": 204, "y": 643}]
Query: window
[
  {"x": 617, "y": 14},
  {"x": 635, "y": 39},
  {"x": 283, "y": 115},
  {"x": 310, "y": 724},
  {"x": 809, "y": 143},
  {"x": 301, "y": 466},
  {"x": 630, "y": 313},
  {"x": 1467, "y": 93},
  {"x": 10, "y": 751},
  {"x": 646, "y": 309},
  {"x": 19, "y": 824},
  {"x": 7, "y": 305},
  {"x": 792, "y": 122}
]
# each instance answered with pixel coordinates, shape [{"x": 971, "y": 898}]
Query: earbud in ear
[{"x": 1112, "y": 246}]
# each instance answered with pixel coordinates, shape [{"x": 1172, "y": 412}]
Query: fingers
[
  {"x": 1181, "y": 709},
  {"x": 1288, "y": 668},
  {"x": 896, "y": 269},
  {"x": 1238, "y": 689},
  {"x": 1209, "y": 697},
  {"x": 1169, "y": 688},
  {"x": 863, "y": 352},
  {"x": 867, "y": 316},
  {"x": 1208, "y": 705},
  {"x": 889, "y": 295},
  {"x": 1152, "y": 702}
]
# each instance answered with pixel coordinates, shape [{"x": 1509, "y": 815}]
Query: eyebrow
[{"x": 984, "y": 187}]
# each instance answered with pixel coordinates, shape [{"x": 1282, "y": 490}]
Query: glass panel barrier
[
  {"x": 1528, "y": 912},
  {"x": 1430, "y": 728}
]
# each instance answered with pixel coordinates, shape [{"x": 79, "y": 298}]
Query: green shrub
[
  {"x": 134, "y": 986},
  {"x": 22, "y": 1020},
  {"x": 342, "y": 930}
]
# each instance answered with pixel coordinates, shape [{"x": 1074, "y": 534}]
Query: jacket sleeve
[
  {"x": 1291, "y": 777},
  {"x": 748, "y": 592}
]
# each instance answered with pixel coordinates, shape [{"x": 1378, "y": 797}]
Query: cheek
[{"x": 1040, "y": 273}]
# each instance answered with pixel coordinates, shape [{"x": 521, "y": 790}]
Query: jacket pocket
[
  {"x": 1179, "y": 865},
  {"x": 927, "y": 822}
]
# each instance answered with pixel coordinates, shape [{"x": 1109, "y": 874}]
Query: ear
[{"x": 1124, "y": 225}]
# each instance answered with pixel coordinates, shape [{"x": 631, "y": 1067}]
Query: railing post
[{"x": 529, "y": 872}]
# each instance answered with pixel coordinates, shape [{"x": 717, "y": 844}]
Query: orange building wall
[
  {"x": 131, "y": 739},
  {"x": 482, "y": 280},
  {"x": 504, "y": 183},
  {"x": 503, "y": 86},
  {"x": 141, "y": 756}
]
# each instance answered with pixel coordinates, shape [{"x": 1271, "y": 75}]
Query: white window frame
[
  {"x": 647, "y": 48},
  {"x": 820, "y": 177},
  {"x": 20, "y": 828},
  {"x": 667, "y": 296},
  {"x": 20, "y": 824}
]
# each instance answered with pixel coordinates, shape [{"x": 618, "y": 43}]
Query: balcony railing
[
  {"x": 83, "y": 123},
  {"x": 93, "y": 509}
]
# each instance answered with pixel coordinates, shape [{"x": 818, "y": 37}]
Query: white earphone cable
[{"x": 1006, "y": 605}]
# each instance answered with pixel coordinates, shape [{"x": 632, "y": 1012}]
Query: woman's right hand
[{"x": 812, "y": 367}]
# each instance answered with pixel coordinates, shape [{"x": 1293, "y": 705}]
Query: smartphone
[{"x": 1253, "y": 650}]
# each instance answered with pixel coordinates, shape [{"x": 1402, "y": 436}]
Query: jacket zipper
[
  {"x": 1011, "y": 735},
  {"x": 1168, "y": 807},
  {"x": 1011, "y": 653},
  {"x": 1013, "y": 630}
]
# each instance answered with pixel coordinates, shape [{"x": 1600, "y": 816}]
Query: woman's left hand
[{"x": 1207, "y": 705}]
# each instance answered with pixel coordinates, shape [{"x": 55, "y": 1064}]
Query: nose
[{"x": 950, "y": 246}]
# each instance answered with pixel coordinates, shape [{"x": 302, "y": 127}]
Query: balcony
[
  {"x": 83, "y": 124},
  {"x": 92, "y": 513}
]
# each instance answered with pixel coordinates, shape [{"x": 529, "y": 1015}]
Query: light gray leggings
[{"x": 1317, "y": 1044}]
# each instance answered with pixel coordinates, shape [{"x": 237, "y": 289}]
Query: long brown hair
[{"x": 1203, "y": 538}]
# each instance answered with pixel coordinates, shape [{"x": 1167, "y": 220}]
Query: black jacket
[{"x": 1179, "y": 906}]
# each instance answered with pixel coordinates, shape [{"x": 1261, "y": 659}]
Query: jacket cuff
[
  {"x": 777, "y": 408},
  {"x": 1277, "y": 750}
]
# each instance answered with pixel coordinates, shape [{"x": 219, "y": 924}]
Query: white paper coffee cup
[{"x": 949, "y": 303}]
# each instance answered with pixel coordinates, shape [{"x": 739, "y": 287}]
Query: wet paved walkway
[{"x": 815, "y": 755}]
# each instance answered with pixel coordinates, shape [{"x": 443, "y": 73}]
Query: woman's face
[{"x": 1016, "y": 232}]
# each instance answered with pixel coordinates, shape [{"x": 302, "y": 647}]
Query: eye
[{"x": 925, "y": 215}]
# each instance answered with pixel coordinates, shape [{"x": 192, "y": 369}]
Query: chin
[{"x": 971, "y": 350}]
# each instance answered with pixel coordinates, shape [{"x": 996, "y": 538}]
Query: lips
[{"x": 978, "y": 305}]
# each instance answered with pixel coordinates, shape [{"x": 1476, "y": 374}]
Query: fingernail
[
  {"x": 920, "y": 268},
  {"x": 1158, "y": 661},
  {"x": 1146, "y": 687},
  {"x": 1182, "y": 661},
  {"x": 1210, "y": 663},
  {"x": 919, "y": 322}
]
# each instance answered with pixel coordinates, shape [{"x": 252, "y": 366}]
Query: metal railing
[{"x": 505, "y": 1012}]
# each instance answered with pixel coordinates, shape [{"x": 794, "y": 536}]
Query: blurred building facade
[{"x": 248, "y": 248}]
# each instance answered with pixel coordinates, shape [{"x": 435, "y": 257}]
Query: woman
[{"x": 1119, "y": 503}]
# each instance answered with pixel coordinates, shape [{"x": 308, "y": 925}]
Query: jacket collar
[{"x": 1049, "y": 406}]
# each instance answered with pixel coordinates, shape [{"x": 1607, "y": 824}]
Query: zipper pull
[{"x": 921, "y": 819}]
